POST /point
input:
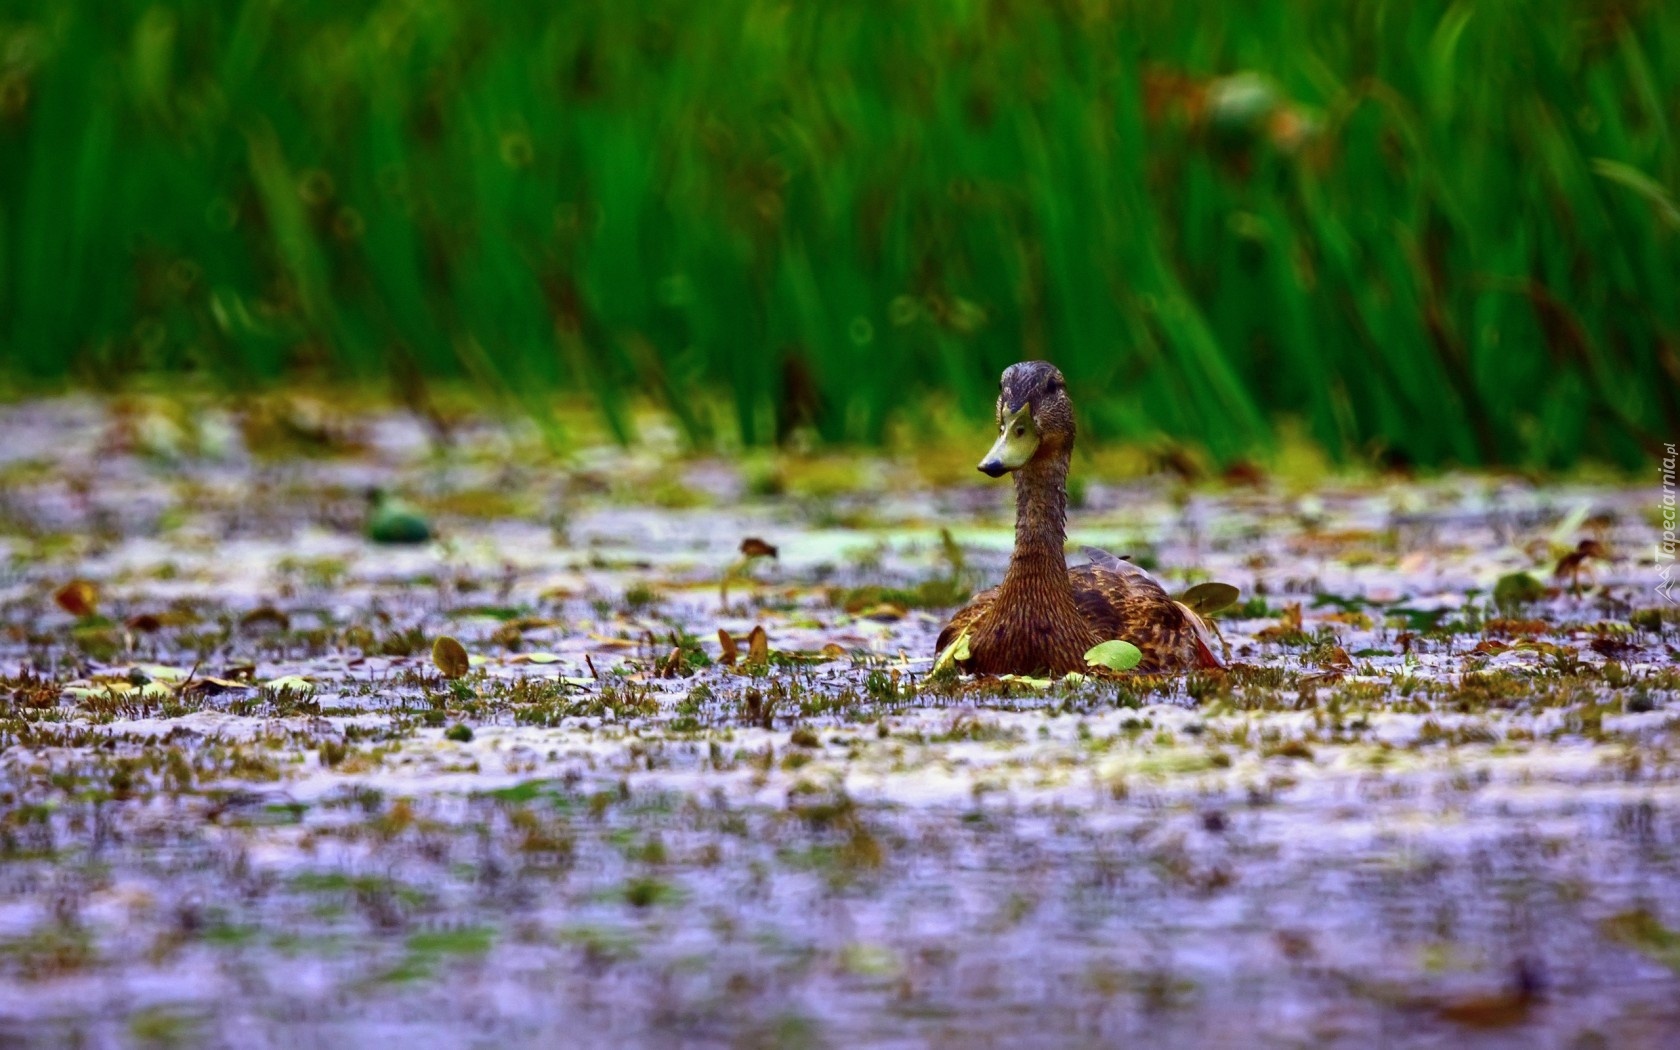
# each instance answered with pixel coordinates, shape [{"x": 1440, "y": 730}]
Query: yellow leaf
[
  {"x": 450, "y": 657},
  {"x": 956, "y": 652},
  {"x": 78, "y": 598}
]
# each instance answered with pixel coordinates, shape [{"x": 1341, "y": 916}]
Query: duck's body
[{"x": 1045, "y": 616}]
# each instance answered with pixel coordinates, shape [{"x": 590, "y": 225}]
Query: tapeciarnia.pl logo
[{"x": 1665, "y": 542}]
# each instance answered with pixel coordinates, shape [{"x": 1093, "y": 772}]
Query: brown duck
[{"x": 1044, "y": 616}]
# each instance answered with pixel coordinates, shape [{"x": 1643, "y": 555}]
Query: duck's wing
[
  {"x": 1121, "y": 600},
  {"x": 1119, "y": 565},
  {"x": 965, "y": 618}
]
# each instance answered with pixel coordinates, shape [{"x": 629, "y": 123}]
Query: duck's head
[{"x": 1034, "y": 418}]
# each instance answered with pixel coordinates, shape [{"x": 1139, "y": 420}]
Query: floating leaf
[
  {"x": 393, "y": 521},
  {"x": 450, "y": 657},
  {"x": 885, "y": 612},
  {"x": 1209, "y": 598},
  {"x": 753, "y": 547},
  {"x": 954, "y": 653},
  {"x": 78, "y": 598},
  {"x": 534, "y": 658},
  {"x": 1640, "y": 929},
  {"x": 266, "y": 617},
  {"x": 1517, "y": 588},
  {"x": 160, "y": 673},
  {"x": 758, "y": 648},
  {"x": 210, "y": 685},
  {"x": 290, "y": 683},
  {"x": 1116, "y": 655},
  {"x": 673, "y": 666}
]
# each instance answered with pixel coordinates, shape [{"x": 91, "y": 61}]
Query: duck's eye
[{"x": 1055, "y": 387}]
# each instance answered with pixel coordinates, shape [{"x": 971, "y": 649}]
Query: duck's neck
[{"x": 1038, "y": 565}]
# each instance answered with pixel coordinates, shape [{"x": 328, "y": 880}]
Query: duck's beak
[{"x": 1016, "y": 443}]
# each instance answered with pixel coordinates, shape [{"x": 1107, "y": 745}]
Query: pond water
[{"x": 240, "y": 804}]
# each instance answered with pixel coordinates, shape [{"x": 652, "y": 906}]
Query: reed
[{"x": 1437, "y": 232}]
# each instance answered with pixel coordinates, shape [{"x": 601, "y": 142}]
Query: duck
[{"x": 1045, "y": 616}]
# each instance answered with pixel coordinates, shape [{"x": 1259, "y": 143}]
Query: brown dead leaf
[
  {"x": 1502, "y": 1009},
  {"x": 1572, "y": 562},
  {"x": 673, "y": 666},
  {"x": 1508, "y": 627},
  {"x": 145, "y": 622},
  {"x": 1575, "y": 562},
  {"x": 1244, "y": 472},
  {"x": 450, "y": 656},
  {"x": 753, "y": 547},
  {"x": 1612, "y": 647},
  {"x": 834, "y": 651},
  {"x": 78, "y": 598},
  {"x": 1487, "y": 1011},
  {"x": 1288, "y": 625},
  {"x": 730, "y": 652},
  {"x": 758, "y": 648},
  {"x": 266, "y": 618},
  {"x": 208, "y": 685},
  {"x": 531, "y": 623}
]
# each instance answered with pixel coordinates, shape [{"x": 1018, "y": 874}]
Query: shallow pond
[{"x": 239, "y": 803}]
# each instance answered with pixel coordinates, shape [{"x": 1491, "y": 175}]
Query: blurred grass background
[{"x": 1422, "y": 231}]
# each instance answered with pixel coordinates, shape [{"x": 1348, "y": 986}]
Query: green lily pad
[
  {"x": 1209, "y": 598},
  {"x": 390, "y": 520},
  {"x": 1116, "y": 655},
  {"x": 1516, "y": 589}
]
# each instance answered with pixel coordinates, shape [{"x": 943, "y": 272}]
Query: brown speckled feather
[
  {"x": 965, "y": 617},
  {"x": 1121, "y": 600},
  {"x": 1115, "y": 599}
]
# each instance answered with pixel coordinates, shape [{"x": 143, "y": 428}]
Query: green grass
[{"x": 1445, "y": 232}]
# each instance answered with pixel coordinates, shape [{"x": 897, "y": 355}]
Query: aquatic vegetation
[
  {"x": 782, "y": 222},
  {"x": 402, "y": 769}
]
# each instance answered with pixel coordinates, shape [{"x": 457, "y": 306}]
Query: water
[{"x": 1409, "y": 820}]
